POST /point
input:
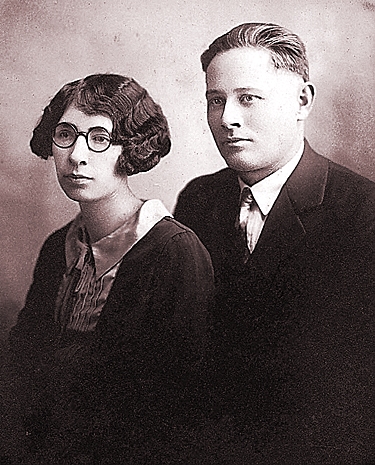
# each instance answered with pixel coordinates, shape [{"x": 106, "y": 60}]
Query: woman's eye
[
  {"x": 100, "y": 139},
  {"x": 64, "y": 134}
]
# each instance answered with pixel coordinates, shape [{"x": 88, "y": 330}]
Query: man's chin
[{"x": 239, "y": 163}]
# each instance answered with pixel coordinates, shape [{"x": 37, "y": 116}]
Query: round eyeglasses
[{"x": 65, "y": 136}]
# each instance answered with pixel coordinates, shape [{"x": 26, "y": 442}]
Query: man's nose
[
  {"x": 231, "y": 116},
  {"x": 79, "y": 153}
]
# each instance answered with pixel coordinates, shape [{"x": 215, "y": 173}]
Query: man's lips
[{"x": 235, "y": 140}]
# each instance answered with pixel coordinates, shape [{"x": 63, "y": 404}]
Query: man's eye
[
  {"x": 215, "y": 102},
  {"x": 249, "y": 98}
]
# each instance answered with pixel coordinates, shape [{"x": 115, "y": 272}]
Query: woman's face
[{"x": 85, "y": 175}]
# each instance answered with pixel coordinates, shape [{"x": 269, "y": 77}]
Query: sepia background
[{"x": 46, "y": 43}]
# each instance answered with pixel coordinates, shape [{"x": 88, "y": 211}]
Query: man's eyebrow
[
  {"x": 237, "y": 90},
  {"x": 211, "y": 92},
  {"x": 247, "y": 89}
]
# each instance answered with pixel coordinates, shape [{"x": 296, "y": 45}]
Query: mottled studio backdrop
[{"x": 46, "y": 43}]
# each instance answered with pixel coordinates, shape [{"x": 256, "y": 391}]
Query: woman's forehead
[{"x": 83, "y": 121}]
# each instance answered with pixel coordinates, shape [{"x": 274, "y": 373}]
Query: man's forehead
[{"x": 246, "y": 67}]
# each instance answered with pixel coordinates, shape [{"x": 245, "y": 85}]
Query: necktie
[{"x": 247, "y": 200}]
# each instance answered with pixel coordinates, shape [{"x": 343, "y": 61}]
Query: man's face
[{"x": 253, "y": 111}]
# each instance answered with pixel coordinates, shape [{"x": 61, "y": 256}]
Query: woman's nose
[
  {"x": 231, "y": 116},
  {"x": 79, "y": 153}
]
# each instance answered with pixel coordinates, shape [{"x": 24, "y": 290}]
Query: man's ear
[{"x": 306, "y": 100}]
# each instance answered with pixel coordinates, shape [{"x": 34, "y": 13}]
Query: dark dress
[{"x": 132, "y": 391}]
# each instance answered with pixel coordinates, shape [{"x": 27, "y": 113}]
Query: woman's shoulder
[
  {"x": 172, "y": 235},
  {"x": 56, "y": 240},
  {"x": 156, "y": 223},
  {"x": 169, "y": 227}
]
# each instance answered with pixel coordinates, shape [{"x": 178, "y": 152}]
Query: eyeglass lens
[{"x": 65, "y": 136}]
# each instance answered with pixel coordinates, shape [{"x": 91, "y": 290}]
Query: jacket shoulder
[
  {"x": 341, "y": 174},
  {"x": 318, "y": 180},
  {"x": 211, "y": 181},
  {"x": 205, "y": 190},
  {"x": 337, "y": 173}
]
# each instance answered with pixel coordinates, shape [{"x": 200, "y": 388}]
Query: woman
[{"x": 112, "y": 338}]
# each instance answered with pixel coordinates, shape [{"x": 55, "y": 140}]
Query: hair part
[
  {"x": 139, "y": 124},
  {"x": 286, "y": 48}
]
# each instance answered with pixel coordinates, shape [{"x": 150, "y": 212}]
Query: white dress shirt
[{"x": 265, "y": 193}]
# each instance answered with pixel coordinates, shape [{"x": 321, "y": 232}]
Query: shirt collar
[
  {"x": 109, "y": 250},
  {"x": 266, "y": 191}
]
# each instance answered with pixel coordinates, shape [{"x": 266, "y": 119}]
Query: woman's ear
[{"x": 306, "y": 100}]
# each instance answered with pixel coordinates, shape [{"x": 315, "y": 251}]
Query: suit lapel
[
  {"x": 284, "y": 227},
  {"x": 282, "y": 231}
]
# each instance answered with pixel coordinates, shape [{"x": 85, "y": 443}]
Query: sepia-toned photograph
[{"x": 187, "y": 232}]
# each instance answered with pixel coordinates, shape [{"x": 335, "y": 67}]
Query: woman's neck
[{"x": 105, "y": 216}]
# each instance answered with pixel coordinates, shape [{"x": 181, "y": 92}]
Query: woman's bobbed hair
[{"x": 139, "y": 124}]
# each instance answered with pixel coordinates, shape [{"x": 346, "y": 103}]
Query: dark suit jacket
[
  {"x": 295, "y": 345},
  {"x": 132, "y": 391}
]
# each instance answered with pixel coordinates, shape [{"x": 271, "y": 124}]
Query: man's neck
[{"x": 252, "y": 177}]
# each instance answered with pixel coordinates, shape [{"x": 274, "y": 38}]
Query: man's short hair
[
  {"x": 286, "y": 48},
  {"x": 139, "y": 124}
]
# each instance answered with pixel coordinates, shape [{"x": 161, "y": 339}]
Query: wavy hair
[
  {"x": 139, "y": 124},
  {"x": 286, "y": 48}
]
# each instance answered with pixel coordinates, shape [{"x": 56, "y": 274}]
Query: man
[{"x": 292, "y": 238}]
